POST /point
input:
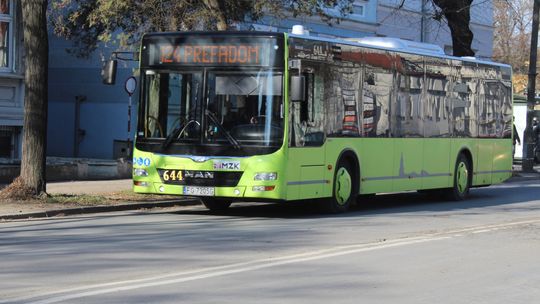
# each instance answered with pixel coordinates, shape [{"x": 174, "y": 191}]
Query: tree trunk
[
  {"x": 458, "y": 15},
  {"x": 36, "y": 47},
  {"x": 214, "y": 6}
]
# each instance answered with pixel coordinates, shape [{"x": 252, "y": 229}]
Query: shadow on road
[{"x": 499, "y": 195}]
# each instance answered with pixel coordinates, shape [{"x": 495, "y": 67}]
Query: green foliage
[{"x": 87, "y": 23}]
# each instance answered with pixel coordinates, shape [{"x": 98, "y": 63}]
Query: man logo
[
  {"x": 199, "y": 159},
  {"x": 198, "y": 174}
]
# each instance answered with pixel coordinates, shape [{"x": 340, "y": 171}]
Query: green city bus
[{"x": 276, "y": 117}]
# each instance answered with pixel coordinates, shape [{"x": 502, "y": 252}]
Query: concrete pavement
[
  {"x": 11, "y": 211},
  {"x": 90, "y": 187}
]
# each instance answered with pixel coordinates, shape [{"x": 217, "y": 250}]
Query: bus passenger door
[
  {"x": 408, "y": 128},
  {"x": 306, "y": 162},
  {"x": 438, "y": 160}
]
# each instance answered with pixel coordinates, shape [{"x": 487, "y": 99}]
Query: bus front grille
[{"x": 199, "y": 178}]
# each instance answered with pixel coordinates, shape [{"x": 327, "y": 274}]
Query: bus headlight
[
  {"x": 265, "y": 176},
  {"x": 140, "y": 172}
]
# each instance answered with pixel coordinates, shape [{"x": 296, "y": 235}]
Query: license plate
[{"x": 202, "y": 191}]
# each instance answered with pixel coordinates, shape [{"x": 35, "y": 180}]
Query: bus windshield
[{"x": 236, "y": 109}]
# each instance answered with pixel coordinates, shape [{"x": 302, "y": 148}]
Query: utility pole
[
  {"x": 423, "y": 22},
  {"x": 529, "y": 140}
]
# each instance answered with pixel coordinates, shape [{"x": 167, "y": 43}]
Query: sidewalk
[
  {"x": 519, "y": 175},
  {"x": 67, "y": 169},
  {"x": 10, "y": 211},
  {"x": 109, "y": 188},
  {"x": 89, "y": 187}
]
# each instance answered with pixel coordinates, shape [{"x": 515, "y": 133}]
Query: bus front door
[{"x": 308, "y": 173}]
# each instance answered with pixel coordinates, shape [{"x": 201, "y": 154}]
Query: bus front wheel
[
  {"x": 344, "y": 189},
  {"x": 462, "y": 179},
  {"x": 215, "y": 205}
]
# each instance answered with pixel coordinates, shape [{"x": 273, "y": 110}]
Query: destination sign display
[{"x": 213, "y": 52}]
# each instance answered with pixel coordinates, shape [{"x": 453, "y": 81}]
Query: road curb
[
  {"x": 520, "y": 176},
  {"x": 516, "y": 179},
  {"x": 101, "y": 209}
]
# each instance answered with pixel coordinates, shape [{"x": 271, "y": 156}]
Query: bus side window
[
  {"x": 436, "y": 110},
  {"x": 406, "y": 105},
  {"x": 506, "y": 91},
  {"x": 308, "y": 103},
  {"x": 308, "y": 115},
  {"x": 378, "y": 92},
  {"x": 314, "y": 113}
]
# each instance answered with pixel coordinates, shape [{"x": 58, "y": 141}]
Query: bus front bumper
[{"x": 261, "y": 191}]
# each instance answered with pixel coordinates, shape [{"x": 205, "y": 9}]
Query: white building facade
[
  {"x": 11, "y": 80},
  {"x": 414, "y": 21},
  {"x": 406, "y": 19}
]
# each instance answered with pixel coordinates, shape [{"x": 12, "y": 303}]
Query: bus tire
[
  {"x": 344, "y": 190},
  {"x": 215, "y": 205},
  {"x": 462, "y": 179}
]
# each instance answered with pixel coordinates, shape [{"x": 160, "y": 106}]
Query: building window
[
  {"x": 5, "y": 146},
  {"x": 6, "y": 35},
  {"x": 357, "y": 13},
  {"x": 9, "y": 141}
]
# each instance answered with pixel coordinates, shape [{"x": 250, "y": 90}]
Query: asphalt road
[{"x": 405, "y": 248}]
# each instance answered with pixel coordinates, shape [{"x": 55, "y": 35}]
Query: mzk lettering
[{"x": 227, "y": 165}]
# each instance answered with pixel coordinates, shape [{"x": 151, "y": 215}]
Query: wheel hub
[
  {"x": 343, "y": 186},
  {"x": 462, "y": 177}
]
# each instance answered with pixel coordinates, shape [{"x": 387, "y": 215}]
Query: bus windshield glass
[
  {"x": 248, "y": 106},
  {"x": 227, "y": 108}
]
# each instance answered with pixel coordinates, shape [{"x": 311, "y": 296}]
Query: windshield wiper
[
  {"x": 168, "y": 140},
  {"x": 176, "y": 133},
  {"x": 230, "y": 138}
]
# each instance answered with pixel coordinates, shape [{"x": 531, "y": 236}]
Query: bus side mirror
[
  {"x": 108, "y": 72},
  {"x": 298, "y": 88}
]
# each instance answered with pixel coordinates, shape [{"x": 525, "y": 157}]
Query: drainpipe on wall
[
  {"x": 423, "y": 22},
  {"x": 79, "y": 133}
]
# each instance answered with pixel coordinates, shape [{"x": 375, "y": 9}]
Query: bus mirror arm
[
  {"x": 108, "y": 72},
  {"x": 298, "y": 88}
]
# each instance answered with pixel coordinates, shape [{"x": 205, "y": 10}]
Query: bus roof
[
  {"x": 214, "y": 34},
  {"x": 430, "y": 50}
]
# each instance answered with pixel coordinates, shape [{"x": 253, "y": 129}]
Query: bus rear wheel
[
  {"x": 344, "y": 190},
  {"x": 462, "y": 179},
  {"x": 216, "y": 205}
]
